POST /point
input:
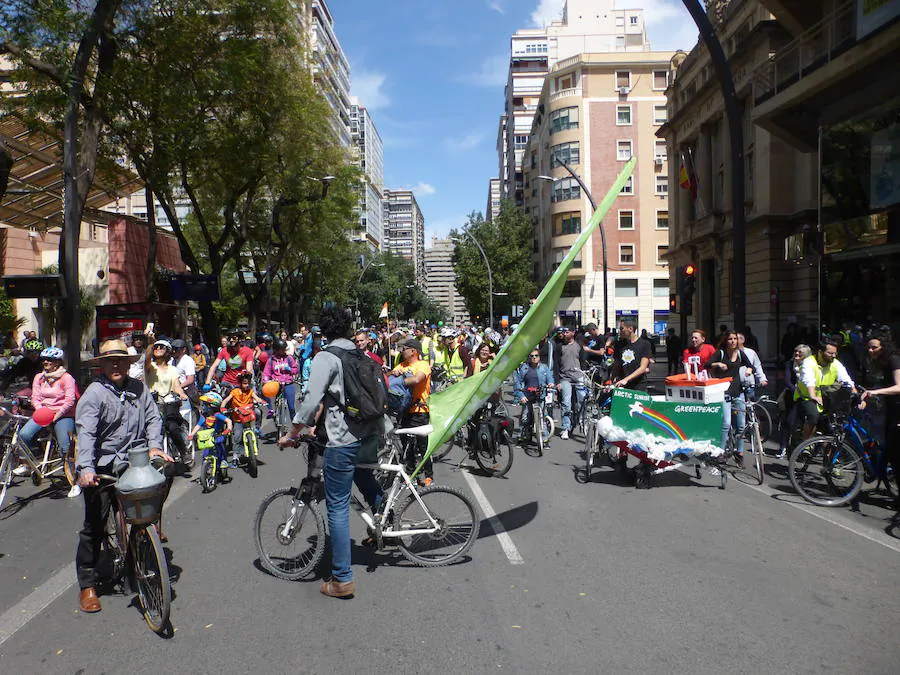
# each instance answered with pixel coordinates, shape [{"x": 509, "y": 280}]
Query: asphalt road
[{"x": 595, "y": 578}]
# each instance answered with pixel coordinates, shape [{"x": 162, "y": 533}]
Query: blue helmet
[{"x": 53, "y": 353}]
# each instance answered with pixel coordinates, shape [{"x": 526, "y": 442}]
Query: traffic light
[
  {"x": 673, "y": 302},
  {"x": 687, "y": 278}
]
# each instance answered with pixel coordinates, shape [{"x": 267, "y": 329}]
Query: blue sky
[{"x": 432, "y": 73}]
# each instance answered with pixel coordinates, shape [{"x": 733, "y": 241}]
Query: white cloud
[
  {"x": 465, "y": 143},
  {"x": 547, "y": 11},
  {"x": 497, "y": 6},
  {"x": 369, "y": 88},
  {"x": 423, "y": 189},
  {"x": 493, "y": 72}
]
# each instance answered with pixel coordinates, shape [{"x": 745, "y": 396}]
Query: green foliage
[
  {"x": 507, "y": 243},
  {"x": 10, "y": 322},
  {"x": 392, "y": 279}
]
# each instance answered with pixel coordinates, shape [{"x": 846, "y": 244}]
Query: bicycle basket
[
  {"x": 142, "y": 507},
  {"x": 837, "y": 400}
]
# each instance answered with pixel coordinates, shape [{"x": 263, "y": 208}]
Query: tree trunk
[{"x": 152, "y": 244}]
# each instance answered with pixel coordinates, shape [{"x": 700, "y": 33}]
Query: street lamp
[
  {"x": 593, "y": 204},
  {"x": 490, "y": 275}
]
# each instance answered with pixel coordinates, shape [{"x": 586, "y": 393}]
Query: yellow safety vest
[
  {"x": 454, "y": 364},
  {"x": 426, "y": 348},
  {"x": 823, "y": 378}
]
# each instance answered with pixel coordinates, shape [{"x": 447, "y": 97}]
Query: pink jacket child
[
  {"x": 58, "y": 392},
  {"x": 281, "y": 369}
]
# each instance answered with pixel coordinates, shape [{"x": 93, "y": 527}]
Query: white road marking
[
  {"x": 16, "y": 617},
  {"x": 506, "y": 542}
]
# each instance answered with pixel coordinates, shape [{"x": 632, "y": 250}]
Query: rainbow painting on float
[{"x": 657, "y": 419}]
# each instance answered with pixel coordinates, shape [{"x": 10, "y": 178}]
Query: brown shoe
[
  {"x": 338, "y": 589},
  {"x": 88, "y": 601}
]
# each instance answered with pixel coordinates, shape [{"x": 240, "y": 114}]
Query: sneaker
[
  {"x": 74, "y": 491},
  {"x": 20, "y": 470},
  {"x": 270, "y": 414},
  {"x": 235, "y": 460},
  {"x": 428, "y": 481},
  {"x": 782, "y": 454},
  {"x": 739, "y": 460},
  {"x": 564, "y": 434}
]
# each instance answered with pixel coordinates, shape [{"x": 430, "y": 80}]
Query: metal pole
[
  {"x": 72, "y": 207},
  {"x": 736, "y": 135},
  {"x": 590, "y": 197},
  {"x": 490, "y": 276}
]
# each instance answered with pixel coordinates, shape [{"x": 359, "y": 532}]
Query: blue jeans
[
  {"x": 740, "y": 407},
  {"x": 290, "y": 396},
  {"x": 340, "y": 474},
  {"x": 62, "y": 427},
  {"x": 565, "y": 402}
]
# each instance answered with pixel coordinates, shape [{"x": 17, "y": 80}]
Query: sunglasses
[{"x": 535, "y": 356}]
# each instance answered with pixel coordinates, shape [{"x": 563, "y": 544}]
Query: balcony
[{"x": 565, "y": 93}]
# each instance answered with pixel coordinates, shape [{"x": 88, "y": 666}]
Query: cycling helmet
[
  {"x": 53, "y": 353},
  {"x": 279, "y": 344},
  {"x": 33, "y": 346},
  {"x": 245, "y": 375},
  {"x": 198, "y": 348},
  {"x": 212, "y": 398},
  {"x": 163, "y": 343},
  {"x": 265, "y": 337},
  {"x": 179, "y": 344},
  {"x": 447, "y": 332}
]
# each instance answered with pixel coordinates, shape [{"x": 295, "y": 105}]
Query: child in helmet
[
  {"x": 212, "y": 426},
  {"x": 241, "y": 400}
]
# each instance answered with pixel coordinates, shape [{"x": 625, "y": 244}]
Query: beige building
[
  {"x": 595, "y": 112},
  {"x": 440, "y": 280},
  {"x": 404, "y": 229}
]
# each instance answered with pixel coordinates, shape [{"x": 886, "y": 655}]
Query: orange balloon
[
  {"x": 270, "y": 389},
  {"x": 504, "y": 323}
]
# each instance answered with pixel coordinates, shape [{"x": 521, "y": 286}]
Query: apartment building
[
  {"x": 586, "y": 26},
  {"x": 493, "y": 200},
  {"x": 595, "y": 112},
  {"x": 404, "y": 229},
  {"x": 331, "y": 69},
  {"x": 369, "y": 158},
  {"x": 440, "y": 280}
]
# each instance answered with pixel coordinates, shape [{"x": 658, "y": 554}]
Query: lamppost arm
[{"x": 490, "y": 276}]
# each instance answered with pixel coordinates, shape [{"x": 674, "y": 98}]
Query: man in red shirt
[
  {"x": 697, "y": 346},
  {"x": 237, "y": 358}
]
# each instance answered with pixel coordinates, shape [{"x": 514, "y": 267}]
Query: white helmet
[{"x": 446, "y": 332}]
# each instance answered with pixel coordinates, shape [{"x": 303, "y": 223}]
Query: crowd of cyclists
[{"x": 196, "y": 387}]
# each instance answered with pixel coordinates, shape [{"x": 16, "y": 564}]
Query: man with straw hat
[{"x": 115, "y": 411}]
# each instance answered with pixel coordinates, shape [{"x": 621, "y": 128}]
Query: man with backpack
[{"x": 350, "y": 388}]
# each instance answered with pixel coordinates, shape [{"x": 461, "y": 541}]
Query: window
[
  {"x": 623, "y": 150},
  {"x": 564, "y": 189},
  {"x": 620, "y": 42},
  {"x": 662, "y": 220},
  {"x": 623, "y": 79},
  {"x": 571, "y": 289},
  {"x": 626, "y": 220},
  {"x": 660, "y": 115},
  {"x": 662, "y": 184},
  {"x": 566, "y": 223},
  {"x": 566, "y": 152},
  {"x": 661, "y": 251},
  {"x": 660, "y": 79},
  {"x": 633, "y": 20},
  {"x": 626, "y": 254},
  {"x": 626, "y": 288},
  {"x": 623, "y": 115},
  {"x": 560, "y": 253},
  {"x": 563, "y": 119},
  {"x": 628, "y": 188},
  {"x": 520, "y": 140},
  {"x": 620, "y": 22},
  {"x": 660, "y": 151},
  {"x": 660, "y": 288}
]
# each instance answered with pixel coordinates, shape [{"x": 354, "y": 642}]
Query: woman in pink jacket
[
  {"x": 53, "y": 388},
  {"x": 283, "y": 369}
]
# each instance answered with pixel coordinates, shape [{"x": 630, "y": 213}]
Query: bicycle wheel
[
  {"x": 536, "y": 447},
  {"x": 825, "y": 472},
  {"x": 152, "y": 576},
  {"x": 208, "y": 474},
  {"x": 457, "y": 526},
  {"x": 69, "y": 464},
  {"x": 590, "y": 449},
  {"x": 112, "y": 560},
  {"x": 457, "y": 440},
  {"x": 756, "y": 448},
  {"x": 497, "y": 459},
  {"x": 281, "y": 417},
  {"x": 6, "y": 470},
  {"x": 252, "y": 451},
  {"x": 767, "y": 427},
  {"x": 289, "y": 534}
]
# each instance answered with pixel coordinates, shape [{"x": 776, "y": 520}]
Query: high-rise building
[
  {"x": 586, "y": 26},
  {"x": 369, "y": 157},
  {"x": 404, "y": 229},
  {"x": 595, "y": 112},
  {"x": 493, "y": 200},
  {"x": 331, "y": 69},
  {"x": 440, "y": 279}
]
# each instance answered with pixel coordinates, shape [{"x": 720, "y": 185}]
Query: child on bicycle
[
  {"x": 282, "y": 368},
  {"x": 212, "y": 426},
  {"x": 241, "y": 402}
]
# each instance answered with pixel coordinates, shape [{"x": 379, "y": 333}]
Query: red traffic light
[{"x": 689, "y": 270}]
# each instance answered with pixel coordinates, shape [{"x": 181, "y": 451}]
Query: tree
[{"x": 507, "y": 243}]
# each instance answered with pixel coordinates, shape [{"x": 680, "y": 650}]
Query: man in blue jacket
[{"x": 529, "y": 378}]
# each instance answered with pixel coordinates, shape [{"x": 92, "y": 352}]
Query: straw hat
[{"x": 114, "y": 349}]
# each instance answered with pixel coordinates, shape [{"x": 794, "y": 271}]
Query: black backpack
[{"x": 364, "y": 390}]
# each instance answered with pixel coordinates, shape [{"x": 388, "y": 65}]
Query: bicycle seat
[{"x": 416, "y": 431}]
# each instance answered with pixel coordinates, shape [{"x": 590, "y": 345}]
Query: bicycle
[
  {"x": 753, "y": 442},
  {"x": 214, "y": 461},
  {"x": 13, "y": 447},
  {"x": 164, "y": 404},
  {"x": 290, "y": 546},
  {"x": 768, "y": 426},
  {"x": 134, "y": 551},
  {"x": 441, "y": 378},
  {"x": 594, "y": 443},
  {"x": 486, "y": 438},
  {"x": 542, "y": 423},
  {"x": 249, "y": 437},
  {"x": 829, "y": 470},
  {"x": 282, "y": 414}
]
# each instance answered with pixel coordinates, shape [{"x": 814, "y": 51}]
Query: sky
[{"x": 432, "y": 74}]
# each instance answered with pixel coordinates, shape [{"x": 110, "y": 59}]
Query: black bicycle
[{"x": 486, "y": 438}]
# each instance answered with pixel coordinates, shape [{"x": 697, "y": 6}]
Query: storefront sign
[{"x": 873, "y": 14}]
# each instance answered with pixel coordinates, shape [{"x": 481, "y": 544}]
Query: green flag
[{"x": 452, "y": 407}]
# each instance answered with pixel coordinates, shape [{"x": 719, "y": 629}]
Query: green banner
[
  {"x": 452, "y": 407},
  {"x": 663, "y": 429}
]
